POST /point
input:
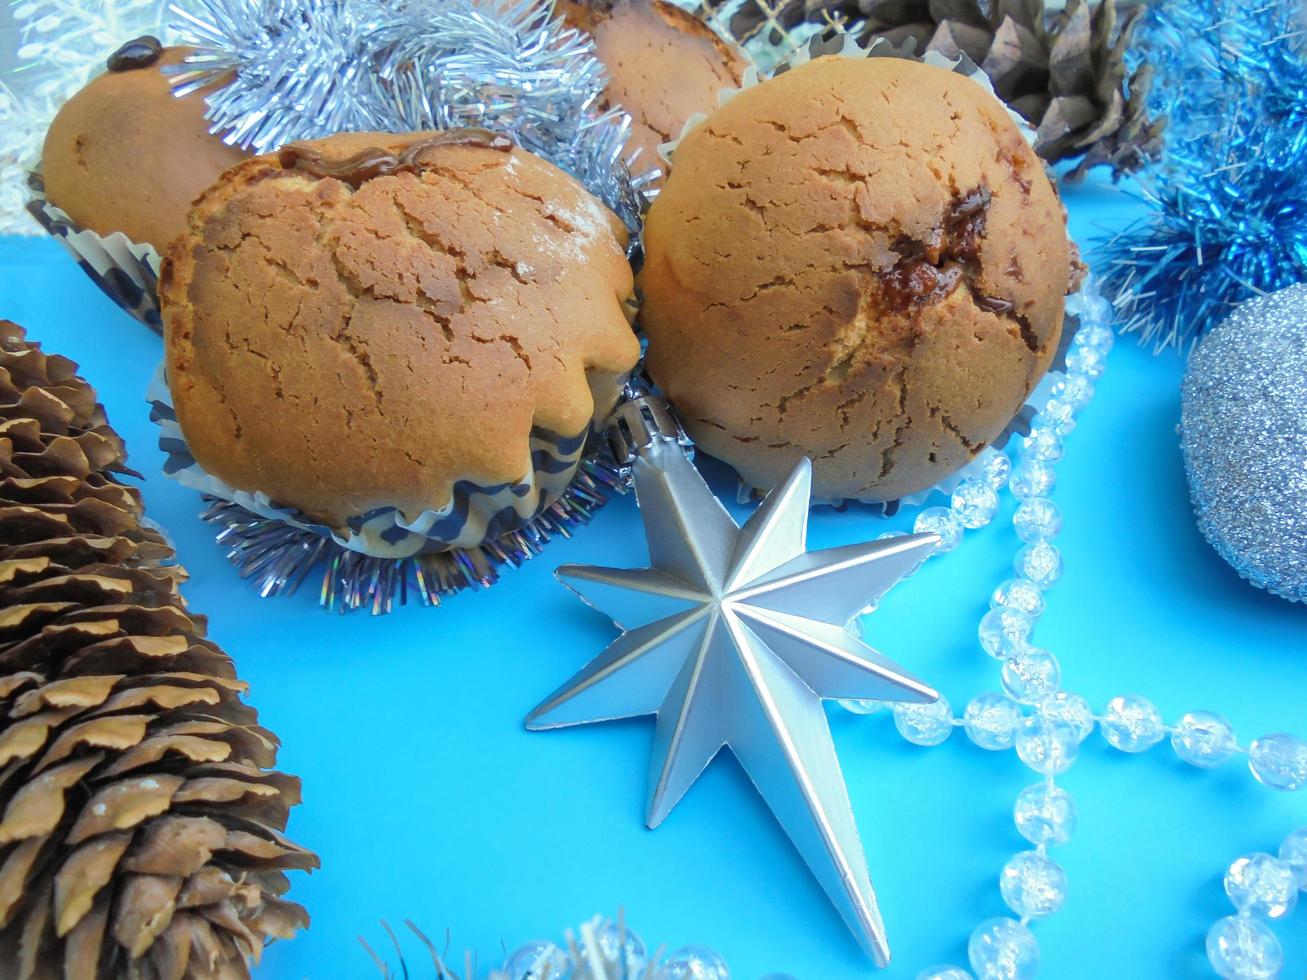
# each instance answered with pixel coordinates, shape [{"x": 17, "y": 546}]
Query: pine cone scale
[
  {"x": 14, "y": 875},
  {"x": 83, "y": 875}
]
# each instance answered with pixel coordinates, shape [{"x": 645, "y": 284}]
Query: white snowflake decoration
[{"x": 60, "y": 45}]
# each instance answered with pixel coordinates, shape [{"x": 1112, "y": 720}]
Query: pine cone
[
  {"x": 1064, "y": 72},
  {"x": 141, "y": 828}
]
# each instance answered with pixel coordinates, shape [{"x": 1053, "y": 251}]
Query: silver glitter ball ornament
[{"x": 1243, "y": 432}]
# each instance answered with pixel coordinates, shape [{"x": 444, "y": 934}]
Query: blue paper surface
[{"x": 428, "y": 801}]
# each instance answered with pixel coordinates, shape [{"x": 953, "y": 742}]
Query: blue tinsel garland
[{"x": 1229, "y": 197}]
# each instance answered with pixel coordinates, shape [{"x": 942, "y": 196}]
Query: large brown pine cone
[
  {"x": 140, "y": 833},
  {"x": 1064, "y": 71}
]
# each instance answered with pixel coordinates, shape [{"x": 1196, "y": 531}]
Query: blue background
[{"x": 427, "y": 800}]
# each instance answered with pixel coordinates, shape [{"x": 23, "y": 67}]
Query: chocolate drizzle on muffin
[
  {"x": 372, "y": 162},
  {"x": 139, "y": 52}
]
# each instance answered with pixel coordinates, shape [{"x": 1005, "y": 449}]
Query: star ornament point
[{"x": 732, "y": 638}]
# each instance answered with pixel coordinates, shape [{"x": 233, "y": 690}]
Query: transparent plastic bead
[
  {"x": 1047, "y": 745},
  {"x": 1057, "y": 415},
  {"x": 860, "y": 707},
  {"x": 1262, "y": 884},
  {"x": 693, "y": 963},
  {"x": 1243, "y": 948},
  {"x": 1003, "y": 949},
  {"x": 1042, "y": 444},
  {"x": 537, "y": 961},
  {"x": 1033, "y": 885},
  {"x": 1031, "y": 676},
  {"x": 1072, "y": 709},
  {"x": 1021, "y": 594},
  {"x": 944, "y": 973},
  {"x": 887, "y": 535},
  {"x": 1003, "y": 632},
  {"x": 974, "y": 503},
  {"x": 1293, "y": 852},
  {"x": 991, "y": 721},
  {"x": 1092, "y": 306},
  {"x": 1039, "y": 561},
  {"x": 924, "y": 724},
  {"x": 1097, "y": 336},
  {"x": 1075, "y": 389},
  {"x": 1045, "y": 814},
  {"x": 1279, "y": 761},
  {"x": 995, "y": 468},
  {"x": 1031, "y": 478},
  {"x": 1132, "y": 724},
  {"x": 1086, "y": 361},
  {"x": 1203, "y": 739},
  {"x": 943, "y": 522},
  {"x": 1037, "y": 519},
  {"x": 631, "y": 953}
]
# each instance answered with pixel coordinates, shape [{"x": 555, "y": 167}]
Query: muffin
[
  {"x": 664, "y": 65},
  {"x": 374, "y": 321},
  {"x": 860, "y": 261},
  {"x": 126, "y": 155}
]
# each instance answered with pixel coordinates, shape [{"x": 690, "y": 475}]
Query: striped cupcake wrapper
[
  {"x": 475, "y": 514},
  {"x": 126, "y": 271}
]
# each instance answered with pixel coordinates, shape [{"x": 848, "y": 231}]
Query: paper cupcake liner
[
  {"x": 378, "y": 558},
  {"x": 277, "y": 557},
  {"x": 126, "y": 271},
  {"x": 475, "y": 513},
  {"x": 845, "y": 46}
]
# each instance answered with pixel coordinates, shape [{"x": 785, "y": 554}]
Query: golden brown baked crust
[
  {"x": 664, "y": 65},
  {"x": 125, "y": 154},
  {"x": 346, "y": 349},
  {"x": 861, "y": 261}
]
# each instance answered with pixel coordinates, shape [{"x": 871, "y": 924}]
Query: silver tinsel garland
[{"x": 301, "y": 69}]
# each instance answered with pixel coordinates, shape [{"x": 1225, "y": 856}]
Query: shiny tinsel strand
[
  {"x": 1229, "y": 198},
  {"x": 277, "y": 557},
  {"x": 300, "y": 69}
]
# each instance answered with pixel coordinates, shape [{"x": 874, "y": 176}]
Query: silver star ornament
[{"x": 733, "y": 637}]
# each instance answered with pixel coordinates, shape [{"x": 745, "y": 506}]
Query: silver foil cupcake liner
[{"x": 126, "y": 271}]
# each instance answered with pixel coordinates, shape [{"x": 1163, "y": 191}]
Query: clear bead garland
[
  {"x": 1261, "y": 887},
  {"x": 607, "y": 950},
  {"x": 1046, "y": 724}
]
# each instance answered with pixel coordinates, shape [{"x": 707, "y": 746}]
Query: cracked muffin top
[
  {"x": 364, "y": 320},
  {"x": 102, "y": 162},
  {"x": 664, "y": 65},
  {"x": 860, "y": 261}
]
